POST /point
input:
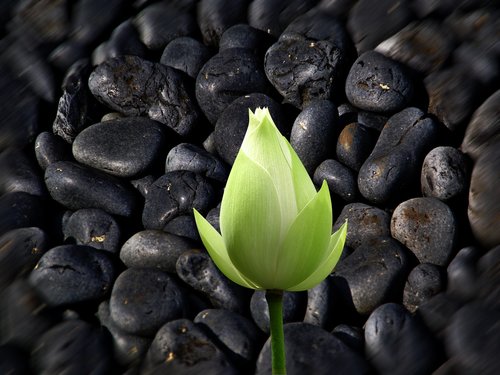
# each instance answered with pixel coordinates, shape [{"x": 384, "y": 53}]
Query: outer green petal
[
  {"x": 217, "y": 250},
  {"x": 336, "y": 246},
  {"x": 306, "y": 243},
  {"x": 250, "y": 221}
]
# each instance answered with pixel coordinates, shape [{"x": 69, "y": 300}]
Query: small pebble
[
  {"x": 173, "y": 194},
  {"x": 154, "y": 249},
  {"x": 245, "y": 36},
  {"x": 70, "y": 274},
  {"x": 313, "y": 132},
  {"x": 340, "y": 179},
  {"x": 19, "y": 173},
  {"x": 320, "y": 306},
  {"x": 367, "y": 224},
  {"x": 398, "y": 343},
  {"x": 237, "y": 333},
  {"x": 189, "y": 157},
  {"x": 351, "y": 336},
  {"x": 93, "y": 227},
  {"x": 143, "y": 299},
  {"x": 76, "y": 186},
  {"x": 228, "y": 75},
  {"x": 378, "y": 83},
  {"x": 354, "y": 145},
  {"x": 50, "y": 148},
  {"x": 444, "y": 174},
  {"x": 427, "y": 227},
  {"x": 462, "y": 274},
  {"x": 197, "y": 269},
  {"x": 424, "y": 281},
  {"x": 124, "y": 147},
  {"x": 182, "y": 347},
  {"x": 134, "y": 86},
  {"x": 186, "y": 54},
  {"x": 372, "y": 275}
]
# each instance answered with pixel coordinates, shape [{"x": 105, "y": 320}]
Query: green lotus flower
[{"x": 275, "y": 227}]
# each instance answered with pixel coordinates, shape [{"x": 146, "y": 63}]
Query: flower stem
[{"x": 275, "y": 302}]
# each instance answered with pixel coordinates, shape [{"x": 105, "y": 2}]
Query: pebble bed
[{"x": 119, "y": 117}]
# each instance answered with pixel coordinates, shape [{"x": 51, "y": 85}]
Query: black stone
[
  {"x": 128, "y": 349},
  {"x": 445, "y": 174},
  {"x": 70, "y": 274},
  {"x": 366, "y": 223},
  {"x": 313, "y": 133},
  {"x": 19, "y": 209},
  {"x": 186, "y": 54},
  {"x": 155, "y": 32},
  {"x": 351, "y": 336},
  {"x": 294, "y": 304},
  {"x": 424, "y": 281},
  {"x": 232, "y": 124},
  {"x": 398, "y": 343},
  {"x": 135, "y": 87},
  {"x": 229, "y": 74},
  {"x": 378, "y": 83},
  {"x": 237, "y": 333},
  {"x": 73, "y": 347},
  {"x": 197, "y": 270},
  {"x": 436, "y": 312},
  {"x": 124, "y": 147},
  {"x": 49, "y": 148},
  {"x": 124, "y": 40},
  {"x": 372, "y": 275},
  {"x": 427, "y": 227},
  {"x": 320, "y": 305},
  {"x": 20, "y": 250},
  {"x": 245, "y": 36},
  {"x": 216, "y": 16},
  {"x": 143, "y": 299},
  {"x": 154, "y": 249},
  {"x": 19, "y": 173},
  {"x": 354, "y": 145},
  {"x": 76, "y": 104},
  {"x": 462, "y": 274},
  {"x": 93, "y": 227},
  {"x": 340, "y": 179},
  {"x": 76, "y": 186},
  {"x": 183, "y": 226},
  {"x": 189, "y": 157},
  {"x": 181, "y": 347},
  {"x": 312, "y": 350},
  {"x": 173, "y": 194},
  {"x": 392, "y": 169}
]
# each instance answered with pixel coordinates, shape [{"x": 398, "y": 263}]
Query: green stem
[{"x": 275, "y": 302}]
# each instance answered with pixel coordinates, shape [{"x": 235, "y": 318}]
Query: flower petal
[
  {"x": 306, "y": 242},
  {"x": 250, "y": 221},
  {"x": 326, "y": 267},
  {"x": 217, "y": 250}
]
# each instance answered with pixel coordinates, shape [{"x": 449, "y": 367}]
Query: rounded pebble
[
  {"x": 372, "y": 275},
  {"x": 19, "y": 173},
  {"x": 313, "y": 133},
  {"x": 398, "y": 343},
  {"x": 197, "y": 269},
  {"x": 154, "y": 249},
  {"x": 176, "y": 193},
  {"x": 49, "y": 148},
  {"x": 427, "y": 227},
  {"x": 424, "y": 281},
  {"x": 70, "y": 274},
  {"x": 225, "y": 77},
  {"x": 76, "y": 186},
  {"x": 354, "y": 145},
  {"x": 143, "y": 299},
  {"x": 245, "y": 36},
  {"x": 124, "y": 147},
  {"x": 444, "y": 174},
  {"x": 378, "y": 83},
  {"x": 462, "y": 274},
  {"x": 340, "y": 179},
  {"x": 93, "y": 227},
  {"x": 186, "y": 54}
]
